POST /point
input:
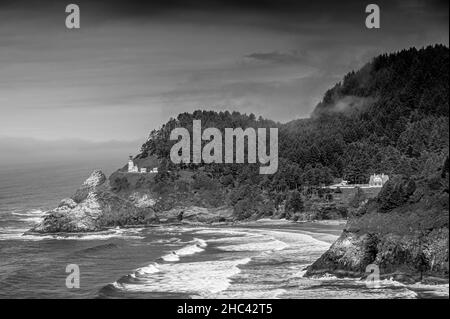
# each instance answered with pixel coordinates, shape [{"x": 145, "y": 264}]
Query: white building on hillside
[
  {"x": 132, "y": 168},
  {"x": 377, "y": 180}
]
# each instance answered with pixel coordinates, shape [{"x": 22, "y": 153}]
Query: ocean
[{"x": 264, "y": 259}]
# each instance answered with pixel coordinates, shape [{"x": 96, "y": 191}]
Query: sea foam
[
  {"x": 150, "y": 269},
  {"x": 198, "y": 246},
  {"x": 171, "y": 257},
  {"x": 11, "y": 233},
  {"x": 204, "y": 278}
]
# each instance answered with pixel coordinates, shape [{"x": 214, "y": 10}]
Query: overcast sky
[{"x": 132, "y": 65}]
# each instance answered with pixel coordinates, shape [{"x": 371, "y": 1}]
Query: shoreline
[
  {"x": 255, "y": 223},
  {"x": 403, "y": 277},
  {"x": 437, "y": 288}
]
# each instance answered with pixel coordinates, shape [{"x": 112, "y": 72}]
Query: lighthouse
[{"x": 130, "y": 165}]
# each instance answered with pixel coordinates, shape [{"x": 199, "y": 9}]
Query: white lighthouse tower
[{"x": 131, "y": 167}]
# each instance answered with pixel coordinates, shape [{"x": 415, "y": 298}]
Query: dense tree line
[{"x": 391, "y": 117}]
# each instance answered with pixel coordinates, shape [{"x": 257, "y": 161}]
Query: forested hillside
[{"x": 391, "y": 117}]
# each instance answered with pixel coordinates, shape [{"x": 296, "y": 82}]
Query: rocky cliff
[
  {"x": 404, "y": 231},
  {"x": 99, "y": 204},
  {"x": 94, "y": 207}
]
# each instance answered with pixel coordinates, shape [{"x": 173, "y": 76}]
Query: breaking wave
[
  {"x": 197, "y": 246},
  {"x": 202, "y": 279},
  {"x": 33, "y": 216},
  {"x": 14, "y": 233},
  {"x": 247, "y": 263}
]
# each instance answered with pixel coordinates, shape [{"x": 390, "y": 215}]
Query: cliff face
[
  {"x": 402, "y": 256},
  {"x": 127, "y": 201},
  {"x": 94, "y": 207},
  {"x": 404, "y": 231},
  {"x": 186, "y": 198}
]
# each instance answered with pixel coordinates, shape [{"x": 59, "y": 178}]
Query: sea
[{"x": 263, "y": 259}]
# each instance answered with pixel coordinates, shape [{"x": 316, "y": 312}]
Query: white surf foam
[
  {"x": 198, "y": 246},
  {"x": 346, "y": 288},
  {"x": 124, "y": 233},
  {"x": 11, "y": 233},
  {"x": 32, "y": 220},
  {"x": 200, "y": 242},
  {"x": 222, "y": 231},
  {"x": 441, "y": 290},
  {"x": 246, "y": 240},
  {"x": 189, "y": 250},
  {"x": 238, "y": 239},
  {"x": 150, "y": 269},
  {"x": 197, "y": 278},
  {"x": 33, "y": 212},
  {"x": 273, "y": 221},
  {"x": 302, "y": 240},
  {"x": 171, "y": 257},
  {"x": 34, "y": 216},
  {"x": 262, "y": 246},
  {"x": 172, "y": 240}
]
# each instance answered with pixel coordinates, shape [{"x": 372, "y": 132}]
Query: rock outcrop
[
  {"x": 404, "y": 257},
  {"x": 94, "y": 181},
  {"x": 195, "y": 214},
  {"x": 404, "y": 232},
  {"x": 96, "y": 206},
  {"x": 142, "y": 200},
  {"x": 92, "y": 208}
]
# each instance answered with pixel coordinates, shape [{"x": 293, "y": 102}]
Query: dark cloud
[
  {"x": 284, "y": 12},
  {"x": 134, "y": 63}
]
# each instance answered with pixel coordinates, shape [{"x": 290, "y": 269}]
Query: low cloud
[
  {"x": 276, "y": 57},
  {"x": 351, "y": 103},
  {"x": 18, "y": 151}
]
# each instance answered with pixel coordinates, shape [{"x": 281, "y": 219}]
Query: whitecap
[
  {"x": 170, "y": 241},
  {"x": 10, "y": 233},
  {"x": 171, "y": 257},
  {"x": 201, "y": 242},
  {"x": 33, "y": 212},
  {"x": 222, "y": 231},
  {"x": 150, "y": 269},
  {"x": 32, "y": 220},
  {"x": 440, "y": 290},
  {"x": 34, "y": 216},
  {"x": 262, "y": 246},
  {"x": 204, "y": 278},
  {"x": 189, "y": 250}
]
